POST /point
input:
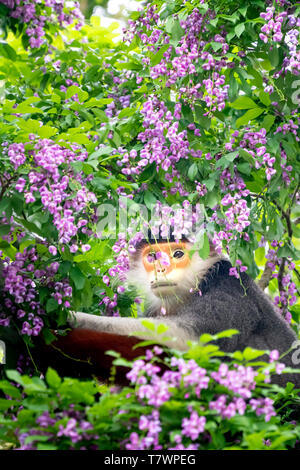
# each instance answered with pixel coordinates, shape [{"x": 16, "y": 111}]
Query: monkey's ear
[{"x": 82, "y": 353}]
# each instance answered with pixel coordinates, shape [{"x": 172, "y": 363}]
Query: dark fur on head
[{"x": 151, "y": 239}]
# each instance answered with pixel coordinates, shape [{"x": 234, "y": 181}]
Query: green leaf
[
  {"x": 6, "y": 404},
  {"x": 162, "y": 328},
  {"x": 243, "y": 10},
  {"x": 245, "y": 155},
  {"x": 210, "y": 183},
  {"x": 192, "y": 172},
  {"x": 30, "y": 226},
  {"x": 24, "y": 108},
  {"x": 260, "y": 255},
  {"x": 75, "y": 90},
  {"x": 230, "y": 157},
  {"x": 79, "y": 139},
  {"x": 212, "y": 199},
  {"x": 77, "y": 277},
  {"x": 243, "y": 102},
  {"x": 204, "y": 121},
  {"x": 250, "y": 354},
  {"x": 45, "y": 132},
  {"x": 51, "y": 305},
  {"x": 7, "y": 51},
  {"x": 41, "y": 446},
  {"x": 204, "y": 248},
  {"x": 149, "y": 325},
  {"x": 264, "y": 98},
  {"x": 100, "y": 114},
  {"x": 29, "y": 125},
  {"x": 15, "y": 376},
  {"x": 126, "y": 112},
  {"x": 52, "y": 378},
  {"x": 286, "y": 252},
  {"x": 216, "y": 46},
  {"x": 149, "y": 199},
  {"x": 244, "y": 168},
  {"x": 141, "y": 89},
  {"x": 173, "y": 27},
  {"x": 249, "y": 116},
  {"x": 93, "y": 102},
  {"x": 102, "y": 151},
  {"x": 156, "y": 58},
  {"x": 230, "y": 35},
  {"x": 227, "y": 159},
  {"x": 268, "y": 122},
  {"x": 239, "y": 29},
  {"x": 274, "y": 55},
  {"x": 238, "y": 355},
  {"x": 227, "y": 333},
  {"x": 10, "y": 389},
  {"x": 4, "y": 229},
  {"x": 206, "y": 338}
]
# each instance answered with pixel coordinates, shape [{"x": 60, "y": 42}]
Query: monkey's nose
[{"x": 160, "y": 269}]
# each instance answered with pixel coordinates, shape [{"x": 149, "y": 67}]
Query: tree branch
[
  {"x": 286, "y": 215},
  {"x": 265, "y": 278}
]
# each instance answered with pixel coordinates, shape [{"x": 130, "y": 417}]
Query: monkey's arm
[{"x": 177, "y": 335}]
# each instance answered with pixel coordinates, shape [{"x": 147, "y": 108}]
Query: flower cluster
[
  {"x": 184, "y": 59},
  {"x": 22, "y": 281},
  {"x": 216, "y": 92},
  {"x": 50, "y": 180},
  {"x": 263, "y": 406},
  {"x": 152, "y": 425},
  {"x": 287, "y": 288},
  {"x": 236, "y": 218},
  {"x": 71, "y": 424},
  {"x": 37, "y": 15},
  {"x": 164, "y": 143},
  {"x": 273, "y": 30},
  {"x": 237, "y": 215},
  {"x": 261, "y": 156},
  {"x": 186, "y": 377},
  {"x": 240, "y": 381}
]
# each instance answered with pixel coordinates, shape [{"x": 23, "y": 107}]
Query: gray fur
[{"x": 225, "y": 303}]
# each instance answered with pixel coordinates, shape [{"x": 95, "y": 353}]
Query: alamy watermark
[
  {"x": 296, "y": 353},
  {"x": 2, "y": 352},
  {"x": 164, "y": 220},
  {"x": 296, "y": 94}
]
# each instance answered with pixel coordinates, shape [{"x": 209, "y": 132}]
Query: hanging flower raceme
[
  {"x": 35, "y": 15},
  {"x": 51, "y": 180}
]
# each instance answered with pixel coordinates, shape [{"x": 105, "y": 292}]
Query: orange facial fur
[
  {"x": 166, "y": 280},
  {"x": 168, "y": 261}
]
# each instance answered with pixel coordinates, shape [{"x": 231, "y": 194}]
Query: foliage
[
  {"x": 197, "y": 106},
  {"x": 198, "y": 403}
]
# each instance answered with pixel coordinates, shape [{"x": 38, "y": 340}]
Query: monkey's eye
[
  {"x": 178, "y": 254},
  {"x": 151, "y": 257}
]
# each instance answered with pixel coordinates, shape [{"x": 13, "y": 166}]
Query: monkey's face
[
  {"x": 166, "y": 265},
  {"x": 167, "y": 273}
]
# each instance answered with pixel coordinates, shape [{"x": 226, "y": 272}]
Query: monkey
[{"x": 191, "y": 296}]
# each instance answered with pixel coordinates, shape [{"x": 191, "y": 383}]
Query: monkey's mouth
[{"x": 157, "y": 284}]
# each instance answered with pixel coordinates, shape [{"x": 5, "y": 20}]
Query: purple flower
[
  {"x": 52, "y": 250},
  {"x": 85, "y": 248},
  {"x": 193, "y": 426}
]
